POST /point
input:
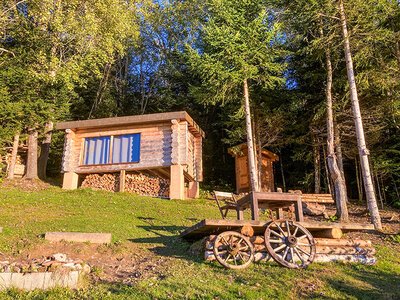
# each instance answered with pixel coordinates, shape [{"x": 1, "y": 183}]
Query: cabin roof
[
  {"x": 136, "y": 119},
  {"x": 242, "y": 150}
]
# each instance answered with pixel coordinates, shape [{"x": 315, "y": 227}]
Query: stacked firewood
[
  {"x": 146, "y": 185},
  {"x": 105, "y": 182},
  {"x": 138, "y": 183}
]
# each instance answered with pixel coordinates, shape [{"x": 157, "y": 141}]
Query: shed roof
[
  {"x": 136, "y": 119},
  {"x": 242, "y": 150}
]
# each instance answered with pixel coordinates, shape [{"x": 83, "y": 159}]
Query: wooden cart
[{"x": 290, "y": 243}]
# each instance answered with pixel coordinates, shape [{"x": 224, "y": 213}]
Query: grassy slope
[{"x": 155, "y": 224}]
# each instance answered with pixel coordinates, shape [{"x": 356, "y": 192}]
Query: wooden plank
[
  {"x": 122, "y": 181},
  {"x": 96, "y": 238},
  {"x": 136, "y": 119},
  {"x": 268, "y": 196},
  {"x": 216, "y": 226},
  {"x": 118, "y": 167}
]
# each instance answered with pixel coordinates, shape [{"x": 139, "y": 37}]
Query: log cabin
[
  {"x": 168, "y": 145},
  {"x": 242, "y": 170}
]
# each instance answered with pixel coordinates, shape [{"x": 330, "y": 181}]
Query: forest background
[{"x": 74, "y": 60}]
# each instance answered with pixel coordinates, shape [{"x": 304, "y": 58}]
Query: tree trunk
[
  {"x": 282, "y": 172},
  {"x": 259, "y": 154},
  {"x": 383, "y": 190},
  {"x": 44, "y": 150},
  {"x": 364, "y": 152},
  {"x": 11, "y": 167},
  {"x": 327, "y": 178},
  {"x": 378, "y": 188},
  {"x": 395, "y": 187},
  {"x": 250, "y": 142},
  {"x": 359, "y": 181},
  {"x": 339, "y": 154},
  {"x": 317, "y": 166},
  {"x": 31, "y": 164},
  {"x": 335, "y": 173}
]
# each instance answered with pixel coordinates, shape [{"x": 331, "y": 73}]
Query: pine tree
[{"x": 237, "y": 50}]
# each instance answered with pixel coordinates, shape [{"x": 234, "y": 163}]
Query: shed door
[{"x": 243, "y": 172}]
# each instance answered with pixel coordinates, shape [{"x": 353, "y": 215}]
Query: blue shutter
[
  {"x": 126, "y": 148},
  {"x": 135, "y": 156}
]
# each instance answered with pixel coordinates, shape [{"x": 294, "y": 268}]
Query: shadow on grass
[
  {"x": 172, "y": 244},
  {"x": 377, "y": 284}
]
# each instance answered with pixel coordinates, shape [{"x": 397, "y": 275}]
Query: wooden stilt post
[
  {"x": 177, "y": 185},
  {"x": 122, "y": 181},
  {"x": 70, "y": 181}
]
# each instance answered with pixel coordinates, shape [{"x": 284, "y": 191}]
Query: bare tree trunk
[
  {"x": 364, "y": 152},
  {"x": 359, "y": 181},
  {"x": 327, "y": 178},
  {"x": 317, "y": 166},
  {"x": 11, "y": 167},
  {"x": 395, "y": 187},
  {"x": 44, "y": 150},
  {"x": 250, "y": 141},
  {"x": 383, "y": 189},
  {"x": 336, "y": 174},
  {"x": 259, "y": 159},
  {"x": 282, "y": 172},
  {"x": 378, "y": 188},
  {"x": 339, "y": 155},
  {"x": 31, "y": 164}
]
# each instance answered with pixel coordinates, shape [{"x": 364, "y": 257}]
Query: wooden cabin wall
[
  {"x": 155, "y": 148},
  {"x": 198, "y": 155},
  {"x": 160, "y": 145}
]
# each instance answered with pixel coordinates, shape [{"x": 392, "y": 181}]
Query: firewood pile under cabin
[{"x": 154, "y": 154}]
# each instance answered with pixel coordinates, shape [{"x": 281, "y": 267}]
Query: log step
[{"x": 95, "y": 238}]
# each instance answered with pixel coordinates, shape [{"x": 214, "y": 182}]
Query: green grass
[{"x": 155, "y": 224}]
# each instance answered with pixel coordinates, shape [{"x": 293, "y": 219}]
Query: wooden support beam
[
  {"x": 70, "y": 181},
  {"x": 177, "y": 185},
  {"x": 122, "y": 174}
]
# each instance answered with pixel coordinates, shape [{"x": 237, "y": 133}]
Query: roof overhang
[
  {"x": 137, "y": 119},
  {"x": 240, "y": 150}
]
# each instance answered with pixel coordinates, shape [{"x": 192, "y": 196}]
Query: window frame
[{"x": 83, "y": 150}]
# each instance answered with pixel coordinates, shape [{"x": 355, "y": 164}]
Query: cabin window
[
  {"x": 126, "y": 148},
  {"x": 97, "y": 150}
]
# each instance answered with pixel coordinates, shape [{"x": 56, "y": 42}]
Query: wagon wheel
[
  {"x": 233, "y": 250},
  {"x": 290, "y": 244}
]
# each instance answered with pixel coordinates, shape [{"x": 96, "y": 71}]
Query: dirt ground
[{"x": 110, "y": 263}]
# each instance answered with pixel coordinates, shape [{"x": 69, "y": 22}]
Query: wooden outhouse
[
  {"x": 168, "y": 145},
  {"x": 242, "y": 170}
]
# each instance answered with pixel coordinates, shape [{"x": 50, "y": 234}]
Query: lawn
[{"x": 152, "y": 226}]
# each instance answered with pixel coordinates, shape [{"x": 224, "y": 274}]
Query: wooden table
[{"x": 269, "y": 200}]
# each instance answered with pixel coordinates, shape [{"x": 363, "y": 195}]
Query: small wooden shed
[
  {"x": 240, "y": 153},
  {"x": 168, "y": 145}
]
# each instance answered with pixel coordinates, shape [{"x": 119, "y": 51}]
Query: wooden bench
[{"x": 228, "y": 202}]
